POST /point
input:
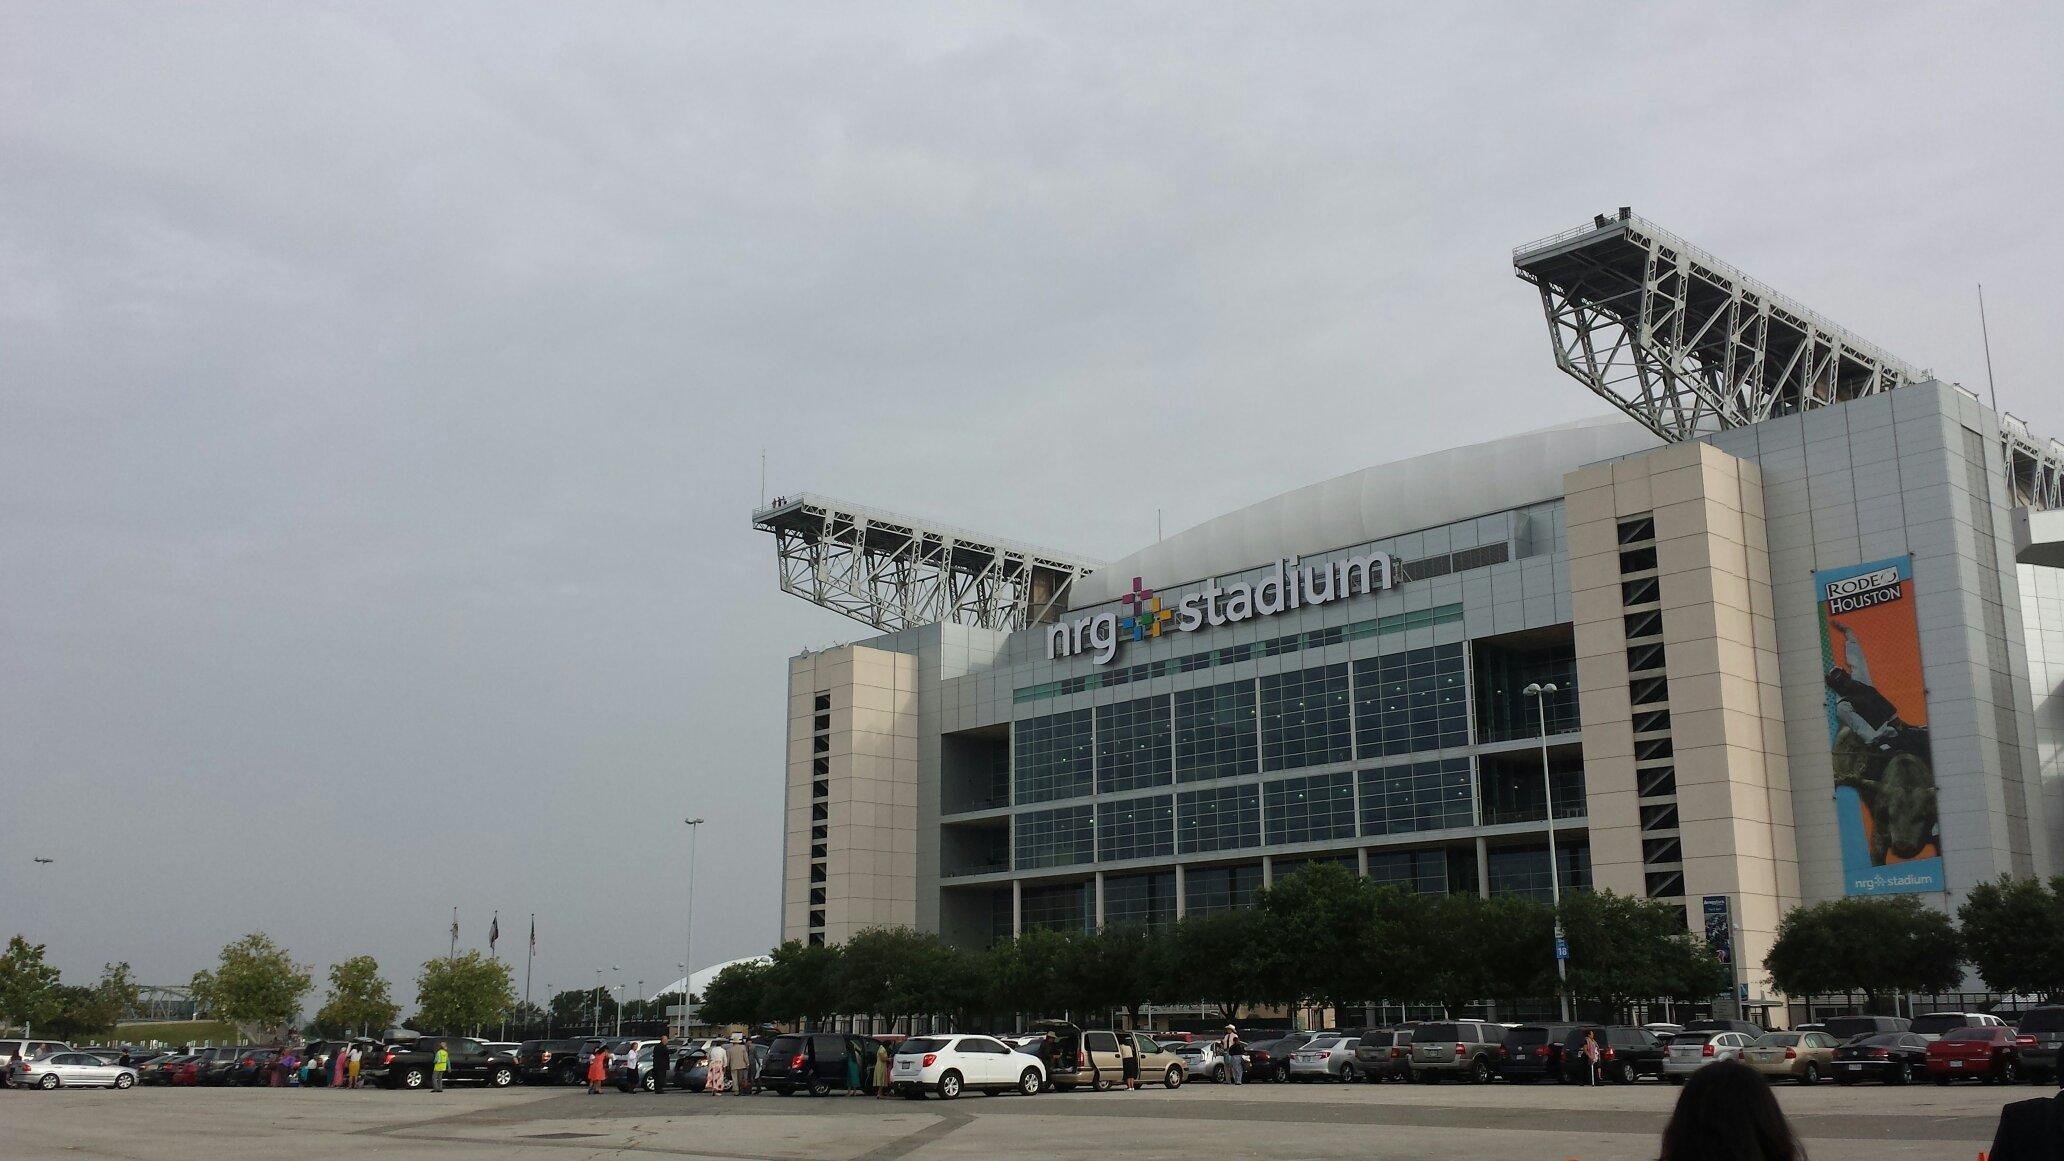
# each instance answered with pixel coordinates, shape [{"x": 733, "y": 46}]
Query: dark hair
[{"x": 1727, "y": 1113}]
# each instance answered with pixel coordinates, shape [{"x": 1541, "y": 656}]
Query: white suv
[
  {"x": 950, "y": 1065},
  {"x": 1931, "y": 1025}
]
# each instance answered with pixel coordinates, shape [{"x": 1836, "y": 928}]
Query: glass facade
[
  {"x": 1305, "y": 718},
  {"x": 1511, "y": 788},
  {"x": 1209, "y": 889},
  {"x": 1310, "y": 809},
  {"x": 1412, "y": 701},
  {"x": 1050, "y": 757},
  {"x": 1223, "y": 819},
  {"x": 1060, "y": 907},
  {"x": 1145, "y": 899},
  {"x": 1423, "y": 871},
  {"x": 1136, "y": 828},
  {"x": 1523, "y": 871},
  {"x": 1420, "y": 796},
  {"x": 1215, "y": 733},
  {"x": 1132, "y": 746},
  {"x": 1282, "y": 869},
  {"x": 1055, "y": 838}
]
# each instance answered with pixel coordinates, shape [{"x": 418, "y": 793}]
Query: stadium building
[{"x": 1791, "y": 629}]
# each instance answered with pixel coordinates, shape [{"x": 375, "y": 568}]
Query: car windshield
[
  {"x": 2043, "y": 1020},
  {"x": 1888, "y": 1040},
  {"x": 1531, "y": 1034},
  {"x": 1968, "y": 1034},
  {"x": 921, "y": 1044},
  {"x": 1778, "y": 1040},
  {"x": 1323, "y": 1044},
  {"x": 1937, "y": 1022}
]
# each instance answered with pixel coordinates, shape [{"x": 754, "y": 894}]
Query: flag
[{"x": 494, "y": 931}]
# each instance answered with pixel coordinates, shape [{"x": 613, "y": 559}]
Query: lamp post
[
  {"x": 549, "y": 993},
  {"x": 1539, "y": 692},
  {"x": 595, "y": 1004},
  {"x": 688, "y": 940},
  {"x": 616, "y": 999}
]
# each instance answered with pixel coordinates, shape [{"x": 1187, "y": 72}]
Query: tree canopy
[
  {"x": 359, "y": 1002},
  {"x": 462, "y": 993},
  {"x": 1871, "y": 944},
  {"x": 28, "y": 985},
  {"x": 2013, "y": 930},
  {"x": 256, "y": 985}
]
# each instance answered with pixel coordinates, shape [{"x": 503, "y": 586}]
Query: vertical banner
[
  {"x": 1720, "y": 928},
  {"x": 1885, "y": 809}
]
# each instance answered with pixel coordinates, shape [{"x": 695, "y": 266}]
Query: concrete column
[
  {"x": 1268, "y": 870},
  {"x": 1017, "y": 908},
  {"x": 1099, "y": 888},
  {"x": 1181, "y": 903},
  {"x": 1483, "y": 868}
]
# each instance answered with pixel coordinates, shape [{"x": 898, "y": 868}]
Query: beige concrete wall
[
  {"x": 1726, "y": 723},
  {"x": 871, "y": 826}
]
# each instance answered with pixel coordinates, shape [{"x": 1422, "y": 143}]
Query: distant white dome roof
[
  {"x": 1374, "y": 503},
  {"x": 698, "y": 982}
]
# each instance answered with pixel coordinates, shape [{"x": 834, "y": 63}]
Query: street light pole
[
  {"x": 548, "y": 1011},
  {"x": 595, "y": 1004},
  {"x": 1539, "y": 692},
  {"x": 688, "y": 940}
]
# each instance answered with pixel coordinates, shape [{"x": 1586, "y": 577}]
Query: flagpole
[
  {"x": 454, "y": 953},
  {"x": 527, "y": 960}
]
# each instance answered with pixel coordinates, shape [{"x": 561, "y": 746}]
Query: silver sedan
[
  {"x": 70, "y": 1070},
  {"x": 1691, "y": 1051},
  {"x": 1328, "y": 1057}
]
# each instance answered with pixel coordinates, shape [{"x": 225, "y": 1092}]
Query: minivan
[
  {"x": 814, "y": 1062},
  {"x": 1533, "y": 1052}
]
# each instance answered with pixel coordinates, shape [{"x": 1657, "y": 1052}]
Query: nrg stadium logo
[{"x": 1287, "y": 586}]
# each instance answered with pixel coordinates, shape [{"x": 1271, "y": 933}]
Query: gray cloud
[{"x": 384, "y": 384}]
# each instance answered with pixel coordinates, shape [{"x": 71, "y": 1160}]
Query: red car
[
  {"x": 185, "y": 1073},
  {"x": 1985, "y": 1053}
]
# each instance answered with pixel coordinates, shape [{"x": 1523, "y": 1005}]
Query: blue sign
[
  {"x": 1719, "y": 927},
  {"x": 1745, "y": 990},
  {"x": 1561, "y": 948}
]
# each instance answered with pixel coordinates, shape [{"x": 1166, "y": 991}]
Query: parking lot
[{"x": 1281, "y": 1122}]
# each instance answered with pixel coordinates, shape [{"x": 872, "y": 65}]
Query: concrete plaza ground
[{"x": 1282, "y": 1123}]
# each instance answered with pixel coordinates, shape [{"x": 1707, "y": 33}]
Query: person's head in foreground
[{"x": 1728, "y": 1113}]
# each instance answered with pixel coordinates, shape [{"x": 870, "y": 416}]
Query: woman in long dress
[
  {"x": 881, "y": 1071},
  {"x": 713, "y": 1061},
  {"x": 340, "y": 1066}
]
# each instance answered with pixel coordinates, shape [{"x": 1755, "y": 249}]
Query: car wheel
[
  {"x": 1348, "y": 1075},
  {"x": 1173, "y": 1078},
  {"x": 2010, "y": 1073},
  {"x": 647, "y": 1083},
  {"x": 1029, "y": 1082},
  {"x": 566, "y": 1076},
  {"x": 820, "y": 1087},
  {"x": 949, "y": 1086},
  {"x": 1903, "y": 1074},
  {"x": 1218, "y": 1074},
  {"x": 504, "y": 1077},
  {"x": 1811, "y": 1075},
  {"x": 49, "y": 1081},
  {"x": 1100, "y": 1084},
  {"x": 1480, "y": 1071},
  {"x": 1626, "y": 1073},
  {"x": 413, "y": 1078},
  {"x": 124, "y": 1080}
]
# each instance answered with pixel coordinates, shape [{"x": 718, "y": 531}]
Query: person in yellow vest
[{"x": 439, "y": 1067}]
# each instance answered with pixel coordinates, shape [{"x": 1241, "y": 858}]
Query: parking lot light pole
[
  {"x": 688, "y": 940},
  {"x": 595, "y": 1005},
  {"x": 1539, "y": 692}
]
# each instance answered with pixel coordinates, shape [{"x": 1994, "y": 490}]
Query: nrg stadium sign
[{"x": 1289, "y": 586}]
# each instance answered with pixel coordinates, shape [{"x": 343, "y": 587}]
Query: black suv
[
  {"x": 815, "y": 1062},
  {"x": 1625, "y": 1054},
  {"x": 2041, "y": 1037},
  {"x": 1534, "y": 1052},
  {"x": 1845, "y": 1028},
  {"x": 549, "y": 1061}
]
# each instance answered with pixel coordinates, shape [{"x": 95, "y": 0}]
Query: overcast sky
[{"x": 383, "y": 386}]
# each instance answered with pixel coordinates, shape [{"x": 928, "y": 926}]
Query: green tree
[
  {"x": 118, "y": 989},
  {"x": 1330, "y": 960},
  {"x": 803, "y": 982},
  {"x": 1870, "y": 944},
  {"x": 28, "y": 985},
  {"x": 462, "y": 993},
  {"x": 256, "y": 986},
  {"x": 83, "y": 1013},
  {"x": 2013, "y": 930},
  {"x": 1623, "y": 950},
  {"x": 884, "y": 971},
  {"x": 740, "y": 994},
  {"x": 1229, "y": 959},
  {"x": 359, "y": 1002},
  {"x": 581, "y": 1006}
]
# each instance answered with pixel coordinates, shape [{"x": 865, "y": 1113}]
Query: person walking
[
  {"x": 881, "y": 1071},
  {"x": 1591, "y": 1055},
  {"x": 355, "y": 1060},
  {"x": 662, "y": 1056},
  {"x": 741, "y": 1064},
  {"x": 715, "y": 1058},
  {"x": 1235, "y": 1053},
  {"x": 439, "y": 1065},
  {"x": 598, "y": 1069}
]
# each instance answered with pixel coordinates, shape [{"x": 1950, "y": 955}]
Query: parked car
[
  {"x": 69, "y": 1070},
  {"x": 1625, "y": 1053},
  {"x": 1931, "y": 1025},
  {"x": 1269, "y": 1060},
  {"x": 691, "y": 1065},
  {"x": 13, "y": 1050},
  {"x": 1532, "y": 1052},
  {"x": 1664, "y": 1032},
  {"x": 636, "y": 1073},
  {"x": 1202, "y": 1059},
  {"x": 1073, "y": 1057},
  {"x": 398, "y": 1066},
  {"x": 816, "y": 1062},
  {"x": 1801, "y": 1056},
  {"x": 1327, "y": 1058},
  {"x": 1846, "y": 1028},
  {"x": 1691, "y": 1051},
  {"x": 549, "y": 1061},
  {"x": 1463, "y": 1048},
  {"x": 159, "y": 1069},
  {"x": 220, "y": 1066},
  {"x": 1158, "y": 1064},
  {"x": 1728, "y": 1024},
  {"x": 1385, "y": 1054},
  {"x": 1892, "y": 1057},
  {"x": 505, "y": 1047},
  {"x": 2040, "y": 1039},
  {"x": 255, "y": 1067},
  {"x": 950, "y": 1065},
  {"x": 1984, "y": 1051}
]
